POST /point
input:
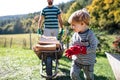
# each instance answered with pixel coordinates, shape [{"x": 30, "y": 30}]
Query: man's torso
[{"x": 51, "y": 17}]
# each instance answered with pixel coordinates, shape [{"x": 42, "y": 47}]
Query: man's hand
[
  {"x": 39, "y": 31},
  {"x": 60, "y": 34}
]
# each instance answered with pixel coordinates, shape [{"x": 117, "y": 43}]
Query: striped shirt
[
  {"x": 51, "y": 16},
  {"x": 89, "y": 40}
]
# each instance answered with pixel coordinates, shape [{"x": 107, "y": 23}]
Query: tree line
[
  {"x": 17, "y": 23},
  {"x": 105, "y": 15}
]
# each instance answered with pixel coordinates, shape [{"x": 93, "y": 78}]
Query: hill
[
  {"x": 12, "y": 17},
  {"x": 8, "y": 24}
]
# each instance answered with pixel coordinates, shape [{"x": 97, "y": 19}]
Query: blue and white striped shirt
[{"x": 51, "y": 17}]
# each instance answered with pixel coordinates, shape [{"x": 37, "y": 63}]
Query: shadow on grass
[
  {"x": 63, "y": 78},
  {"x": 66, "y": 72},
  {"x": 100, "y": 55},
  {"x": 82, "y": 78},
  {"x": 100, "y": 77}
]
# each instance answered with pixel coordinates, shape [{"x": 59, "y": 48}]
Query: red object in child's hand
[
  {"x": 68, "y": 53},
  {"x": 75, "y": 50},
  {"x": 83, "y": 50},
  {"x": 78, "y": 50}
]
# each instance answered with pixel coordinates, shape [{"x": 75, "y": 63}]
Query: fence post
[
  {"x": 30, "y": 41},
  {"x": 24, "y": 43},
  {"x": 5, "y": 43},
  {"x": 11, "y": 42}
]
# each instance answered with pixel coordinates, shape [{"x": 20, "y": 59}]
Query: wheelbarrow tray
[
  {"x": 51, "y": 53},
  {"x": 48, "y": 46},
  {"x": 45, "y": 40}
]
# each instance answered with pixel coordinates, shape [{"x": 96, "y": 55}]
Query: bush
[{"x": 116, "y": 44}]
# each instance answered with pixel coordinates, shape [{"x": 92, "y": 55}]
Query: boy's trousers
[{"x": 87, "y": 70}]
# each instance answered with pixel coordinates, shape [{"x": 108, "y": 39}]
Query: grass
[
  {"x": 23, "y": 64},
  {"x": 18, "y": 63}
]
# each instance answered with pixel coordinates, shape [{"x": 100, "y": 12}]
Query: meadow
[{"x": 18, "y": 63}]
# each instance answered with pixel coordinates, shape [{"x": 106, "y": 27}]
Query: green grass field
[
  {"x": 23, "y": 64},
  {"x": 17, "y": 63}
]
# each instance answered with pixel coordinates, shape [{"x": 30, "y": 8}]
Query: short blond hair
[{"x": 80, "y": 16}]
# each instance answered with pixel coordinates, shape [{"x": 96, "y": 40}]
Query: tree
[
  {"x": 18, "y": 27},
  {"x": 65, "y": 6},
  {"x": 27, "y": 24},
  {"x": 84, "y": 3},
  {"x": 75, "y": 6},
  {"x": 105, "y": 14}
]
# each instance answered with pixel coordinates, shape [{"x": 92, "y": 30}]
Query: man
[{"x": 52, "y": 20}]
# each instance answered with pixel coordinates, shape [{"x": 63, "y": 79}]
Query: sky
[{"x": 13, "y": 7}]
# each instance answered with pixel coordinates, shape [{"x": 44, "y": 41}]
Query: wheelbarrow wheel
[{"x": 49, "y": 67}]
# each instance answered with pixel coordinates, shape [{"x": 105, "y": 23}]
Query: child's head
[{"x": 79, "y": 20}]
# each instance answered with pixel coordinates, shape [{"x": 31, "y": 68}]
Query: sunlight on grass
[{"x": 103, "y": 69}]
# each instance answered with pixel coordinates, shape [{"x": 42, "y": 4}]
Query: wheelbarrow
[{"x": 49, "y": 56}]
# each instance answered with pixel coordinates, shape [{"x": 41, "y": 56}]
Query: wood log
[
  {"x": 45, "y": 40},
  {"x": 38, "y": 47}
]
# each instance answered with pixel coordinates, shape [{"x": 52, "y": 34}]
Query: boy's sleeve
[{"x": 93, "y": 42}]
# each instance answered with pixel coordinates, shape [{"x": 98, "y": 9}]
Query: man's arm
[
  {"x": 40, "y": 21},
  {"x": 60, "y": 21}
]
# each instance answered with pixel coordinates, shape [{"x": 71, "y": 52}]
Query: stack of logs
[{"x": 47, "y": 44}]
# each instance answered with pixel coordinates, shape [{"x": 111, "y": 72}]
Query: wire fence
[{"x": 18, "y": 40}]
